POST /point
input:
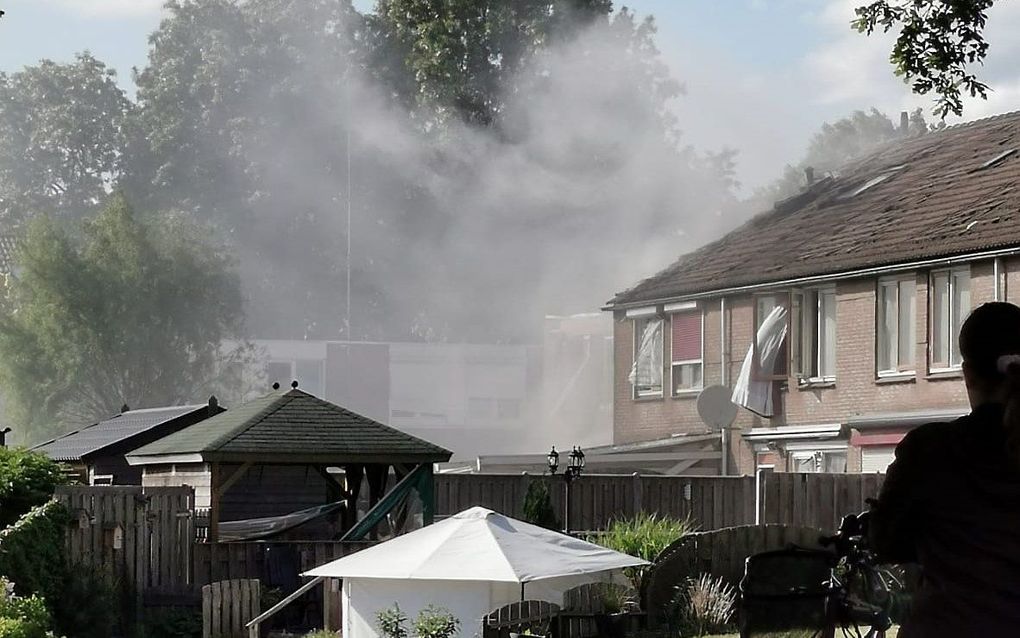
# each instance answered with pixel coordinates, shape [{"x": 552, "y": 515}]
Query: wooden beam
[
  {"x": 234, "y": 477},
  {"x": 682, "y": 465},
  {"x": 214, "y": 503}
]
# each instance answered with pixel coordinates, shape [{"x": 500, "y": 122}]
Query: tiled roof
[
  {"x": 295, "y": 424},
  {"x": 93, "y": 438},
  {"x": 943, "y": 194}
]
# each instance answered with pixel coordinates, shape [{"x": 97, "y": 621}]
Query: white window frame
[
  {"x": 806, "y": 348},
  {"x": 934, "y": 366},
  {"x": 672, "y": 364},
  {"x": 815, "y": 452},
  {"x": 901, "y": 370},
  {"x": 635, "y": 322}
]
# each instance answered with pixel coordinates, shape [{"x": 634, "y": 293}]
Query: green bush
[
  {"x": 22, "y": 617},
  {"x": 27, "y": 480},
  {"x": 435, "y": 622},
  {"x": 392, "y": 622},
  {"x": 644, "y": 535},
  {"x": 87, "y": 606},
  {"x": 704, "y": 605},
  {"x": 538, "y": 509},
  {"x": 323, "y": 633}
]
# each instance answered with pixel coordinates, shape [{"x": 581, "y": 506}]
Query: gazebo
[{"x": 254, "y": 465}]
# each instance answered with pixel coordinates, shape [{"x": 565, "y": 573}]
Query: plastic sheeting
[
  {"x": 256, "y": 528},
  {"x": 753, "y": 389}
]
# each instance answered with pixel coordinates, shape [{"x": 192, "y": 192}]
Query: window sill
[
  {"x": 899, "y": 377},
  {"x": 938, "y": 375},
  {"x": 648, "y": 397},
  {"x": 815, "y": 384},
  {"x": 690, "y": 393}
]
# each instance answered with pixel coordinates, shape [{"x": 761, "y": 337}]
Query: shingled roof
[
  {"x": 296, "y": 427},
  {"x": 120, "y": 431},
  {"x": 944, "y": 194}
]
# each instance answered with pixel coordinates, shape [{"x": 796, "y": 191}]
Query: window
[
  {"x": 765, "y": 305},
  {"x": 686, "y": 347},
  {"x": 646, "y": 373},
  {"x": 828, "y": 461},
  {"x": 897, "y": 329},
  {"x": 814, "y": 318},
  {"x": 950, "y": 304}
]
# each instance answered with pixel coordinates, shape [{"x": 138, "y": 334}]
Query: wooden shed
[
  {"x": 96, "y": 453},
  {"x": 271, "y": 459}
]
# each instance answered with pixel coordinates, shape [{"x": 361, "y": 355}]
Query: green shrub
[
  {"x": 538, "y": 509},
  {"x": 392, "y": 622},
  {"x": 435, "y": 622},
  {"x": 27, "y": 480},
  {"x": 22, "y": 617},
  {"x": 87, "y": 606},
  {"x": 644, "y": 535},
  {"x": 32, "y": 551},
  {"x": 323, "y": 633}
]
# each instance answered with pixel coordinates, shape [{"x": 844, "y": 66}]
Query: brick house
[{"x": 875, "y": 266}]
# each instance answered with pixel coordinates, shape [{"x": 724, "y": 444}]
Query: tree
[
  {"x": 837, "y": 144},
  {"x": 60, "y": 138},
  {"x": 27, "y": 479},
  {"x": 135, "y": 311},
  {"x": 538, "y": 509},
  {"x": 938, "y": 40}
]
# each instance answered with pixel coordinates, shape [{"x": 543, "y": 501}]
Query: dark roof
[
  {"x": 94, "y": 438},
  {"x": 291, "y": 426},
  {"x": 938, "y": 195}
]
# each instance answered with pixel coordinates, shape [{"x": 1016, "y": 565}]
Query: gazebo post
[
  {"x": 214, "y": 502},
  {"x": 427, "y": 493}
]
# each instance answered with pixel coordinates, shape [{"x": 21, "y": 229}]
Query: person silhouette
[{"x": 951, "y": 498}]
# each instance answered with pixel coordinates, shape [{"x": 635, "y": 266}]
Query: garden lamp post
[{"x": 575, "y": 465}]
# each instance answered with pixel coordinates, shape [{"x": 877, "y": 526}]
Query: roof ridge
[
  {"x": 193, "y": 406},
  {"x": 251, "y": 421}
]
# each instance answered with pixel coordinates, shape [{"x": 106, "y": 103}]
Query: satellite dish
[{"x": 715, "y": 407}]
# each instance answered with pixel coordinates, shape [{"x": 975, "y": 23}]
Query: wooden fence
[
  {"x": 231, "y": 561},
  {"x": 228, "y": 605},
  {"x": 141, "y": 537},
  {"x": 815, "y": 500},
  {"x": 595, "y": 500}
]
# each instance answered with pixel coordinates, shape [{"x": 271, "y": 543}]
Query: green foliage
[
  {"x": 60, "y": 137},
  {"x": 27, "y": 480},
  {"x": 435, "y": 622},
  {"x": 22, "y": 617},
  {"x": 322, "y": 633},
  {"x": 538, "y": 509},
  {"x": 392, "y": 622},
  {"x": 87, "y": 605},
  {"x": 645, "y": 535},
  {"x": 32, "y": 553},
  {"x": 704, "y": 605},
  {"x": 938, "y": 40},
  {"x": 173, "y": 622},
  {"x": 617, "y": 598},
  {"x": 133, "y": 312}
]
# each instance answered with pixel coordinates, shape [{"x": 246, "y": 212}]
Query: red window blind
[{"x": 686, "y": 336}]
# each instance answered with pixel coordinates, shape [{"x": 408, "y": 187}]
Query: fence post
[{"x": 636, "y": 486}]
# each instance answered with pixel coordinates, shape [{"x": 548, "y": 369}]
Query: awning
[
  {"x": 877, "y": 439},
  {"x": 795, "y": 432},
  {"x": 905, "y": 419}
]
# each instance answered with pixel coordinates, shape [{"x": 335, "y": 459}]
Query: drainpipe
[{"x": 997, "y": 275}]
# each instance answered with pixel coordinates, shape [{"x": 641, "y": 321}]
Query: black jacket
[{"x": 951, "y": 502}]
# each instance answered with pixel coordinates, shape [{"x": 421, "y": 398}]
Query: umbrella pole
[{"x": 522, "y": 592}]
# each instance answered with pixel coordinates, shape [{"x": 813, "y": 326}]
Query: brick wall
[{"x": 855, "y": 392}]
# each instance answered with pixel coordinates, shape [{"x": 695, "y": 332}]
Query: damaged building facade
[{"x": 855, "y": 289}]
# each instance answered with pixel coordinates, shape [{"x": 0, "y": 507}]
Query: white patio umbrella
[{"x": 471, "y": 563}]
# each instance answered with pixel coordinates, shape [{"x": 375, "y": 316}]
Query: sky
[{"x": 760, "y": 76}]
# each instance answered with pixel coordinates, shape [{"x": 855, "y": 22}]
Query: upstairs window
[
  {"x": 686, "y": 346},
  {"x": 813, "y": 322},
  {"x": 950, "y": 305},
  {"x": 897, "y": 325},
  {"x": 646, "y": 373}
]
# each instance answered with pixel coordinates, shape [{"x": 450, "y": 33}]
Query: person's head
[
  {"x": 990, "y": 346},
  {"x": 990, "y": 333}
]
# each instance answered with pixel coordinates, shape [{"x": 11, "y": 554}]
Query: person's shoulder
[{"x": 931, "y": 436}]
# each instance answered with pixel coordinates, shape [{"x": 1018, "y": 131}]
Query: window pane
[
  {"x": 907, "y": 324},
  {"x": 887, "y": 326},
  {"x": 765, "y": 306},
  {"x": 686, "y": 376},
  {"x": 809, "y": 349},
  {"x": 961, "y": 308},
  {"x": 827, "y": 338},
  {"x": 804, "y": 464},
  {"x": 796, "y": 334},
  {"x": 834, "y": 462},
  {"x": 647, "y": 373},
  {"x": 940, "y": 319}
]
